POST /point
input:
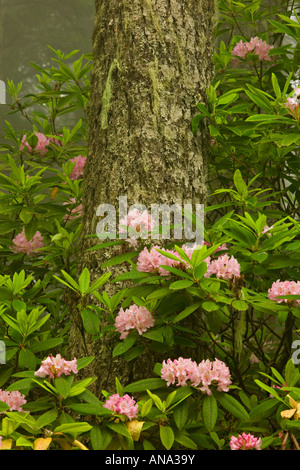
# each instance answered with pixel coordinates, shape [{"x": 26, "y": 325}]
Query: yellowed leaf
[
  {"x": 79, "y": 445},
  {"x": 287, "y": 413},
  {"x": 63, "y": 443},
  {"x": 135, "y": 428},
  {"x": 6, "y": 444},
  {"x": 292, "y": 402},
  {"x": 42, "y": 443}
]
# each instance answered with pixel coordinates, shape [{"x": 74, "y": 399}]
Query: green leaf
[
  {"x": 62, "y": 386},
  {"x": 96, "y": 438},
  {"x": 119, "y": 428},
  {"x": 178, "y": 285},
  {"x": 259, "y": 98},
  {"x": 239, "y": 305},
  {"x": 231, "y": 405},
  {"x": 210, "y": 306},
  {"x": 3, "y": 406},
  {"x": 119, "y": 259},
  {"x": 269, "y": 119},
  {"x": 90, "y": 409},
  {"x": 84, "y": 281},
  {"x": 200, "y": 270},
  {"x": 124, "y": 345},
  {"x": 146, "y": 408},
  {"x": 157, "y": 294},
  {"x": 166, "y": 436},
  {"x": 185, "y": 441},
  {"x": 84, "y": 362},
  {"x": 186, "y": 312},
  {"x": 276, "y": 86},
  {"x": 99, "y": 283},
  {"x": 263, "y": 410},
  {"x": 46, "y": 344},
  {"x": 268, "y": 389},
  {"x": 119, "y": 387},
  {"x": 240, "y": 184},
  {"x": 145, "y": 384},
  {"x": 210, "y": 412},
  {"x": 73, "y": 428},
  {"x": 156, "y": 400},
  {"x": 47, "y": 418},
  {"x": 91, "y": 322},
  {"x": 180, "y": 414}
]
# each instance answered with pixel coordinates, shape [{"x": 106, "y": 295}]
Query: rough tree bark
[{"x": 152, "y": 64}]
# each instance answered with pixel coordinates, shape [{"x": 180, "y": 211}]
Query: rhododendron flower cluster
[
  {"x": 41, "y": 146},
  {"x": 138, "y": 224},
  {"x": 56, "y": 366},
  {"x": 284, "y": 288},
  {"x": 224, "y": 267},
  {"x": 134, "y": 317},
  {"x": 77, "y": 171},
  {"x": 203, "y": 375},
  {"x": 254, "y": 46},
  {"x": 245, "y": 442},
  {"x": 150, "y": 261},
  {"x": 124, "y": 405},
  {"x": 13, "y": 399},
  {"x": 22, "y": 245}
]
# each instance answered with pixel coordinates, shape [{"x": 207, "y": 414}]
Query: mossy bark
[{"x": 152, "y": 64}]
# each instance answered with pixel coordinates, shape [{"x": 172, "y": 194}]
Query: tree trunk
[{"x": 152, "y": 64}]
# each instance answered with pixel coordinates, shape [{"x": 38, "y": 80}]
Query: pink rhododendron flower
[
  {"x": 138, "y": 224},
  {"x": 292, "y": 104},
  {"x": 203, "y": 375},
  {"x": 284, "y": 288},
  {"x": 134, "y": 317},
  {"x": 150, "y": 261},
  {"x": 266, "y": 229},
  {"x": 124, "y": 405},
  {"x": 181, "y": 370},
  {"x": 41, "y": 146},
  {"x": 77, "y": 171},
  {"x": 224, "y": 267},
  {"x": 74, "y": 212},
  {"x": 22, "y": 245},
  {"x": 13, "y": 399},
  {"x": 215, "y": 372},
  {"x": 254, "y": 46},
  {"x": 245, "y": 442},
  {"x": 56, "y": 366},
  {"x": 55, "y": 141}
]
